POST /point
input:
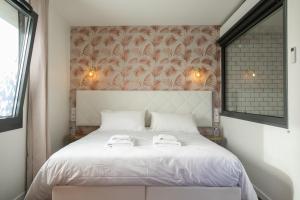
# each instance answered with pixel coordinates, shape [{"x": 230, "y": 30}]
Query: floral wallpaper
[{"x": 145, "y": 58}]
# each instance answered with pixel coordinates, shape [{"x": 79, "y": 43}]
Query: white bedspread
[{"x": 199, "y": 162}]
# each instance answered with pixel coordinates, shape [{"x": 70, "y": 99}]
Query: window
[
  {"x": 254, "y": 67},
  {"x": 17, "y": 28}
]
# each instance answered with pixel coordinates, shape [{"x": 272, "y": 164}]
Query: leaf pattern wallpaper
[{"x": 145, "y": 58}]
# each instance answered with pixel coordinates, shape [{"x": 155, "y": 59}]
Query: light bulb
[
  {"x": 91, "y": 73},
  {"x": 197, "y": 73}
]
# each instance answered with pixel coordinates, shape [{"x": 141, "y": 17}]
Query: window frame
[
  {"x": 258, "y": 13},
  {"x": 16, "y": 121}
]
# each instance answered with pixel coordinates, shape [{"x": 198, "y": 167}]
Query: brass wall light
[
  {"x": 91, "y": 72},
  {"x": 197, "y": 72},
  {"x": 89, "y": 75},
  {"x": 249, "y": 74},
  {"x": 199, "y": 75}
]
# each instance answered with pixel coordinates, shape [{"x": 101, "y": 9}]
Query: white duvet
[{"x": 87, "y": 162}]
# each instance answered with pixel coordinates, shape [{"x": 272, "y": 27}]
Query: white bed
[
  {"x": 87, "y": 162},
  {"x": 198, "y": 170}
]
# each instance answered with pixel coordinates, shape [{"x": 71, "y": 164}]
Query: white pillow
[
  {"x": 173, "y": 122},
  {"x": 123, "y": 120}
]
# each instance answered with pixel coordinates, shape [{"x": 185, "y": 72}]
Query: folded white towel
[
  {"x": 166, "y": 137},
  {"x": 121, "y": 137},
  {"x": 157, "y": 141},
  {"x": 120, "y": 141}
]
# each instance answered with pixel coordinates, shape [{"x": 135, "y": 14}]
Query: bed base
[{"x": 145, "y": 193}]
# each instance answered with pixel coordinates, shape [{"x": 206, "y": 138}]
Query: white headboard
[{"x": 90, "y": 103}]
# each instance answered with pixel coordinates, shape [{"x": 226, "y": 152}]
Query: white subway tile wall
[{"x": 254, "y": 73}]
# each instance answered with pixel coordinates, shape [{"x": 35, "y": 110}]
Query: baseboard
[
  {"x": 20, "y": 196},
  {"x": 261, "y": 194}
]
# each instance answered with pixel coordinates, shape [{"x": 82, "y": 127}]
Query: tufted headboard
[{"x": 90, "y": 103}]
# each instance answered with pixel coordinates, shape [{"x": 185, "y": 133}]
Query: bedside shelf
[
  {"x": 208, "y": 132},
  {"x": 220, "y": 140},
  {"x": 74, "y": 137}
]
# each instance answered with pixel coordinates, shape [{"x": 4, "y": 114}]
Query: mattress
[{"x": 88, "y": 162}]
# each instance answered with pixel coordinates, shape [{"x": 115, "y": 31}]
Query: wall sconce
[
  {"x": 89, "y": 75},
  {"x": 197, "y": 73},
  {"x": 91, "y": 72},
  {"x": 249, "y": 74}
]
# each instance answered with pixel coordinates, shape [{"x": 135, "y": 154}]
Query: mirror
[
  {"x": 255, "y": 69},
  {"x": 254, "y": 81}
]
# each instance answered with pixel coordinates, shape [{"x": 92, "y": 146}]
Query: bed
[{"x": 88, "y": 169}]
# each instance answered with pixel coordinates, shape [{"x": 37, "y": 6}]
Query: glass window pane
[
  {"x": 9, "y": 58},
  {"x": 255, "y": 69}
]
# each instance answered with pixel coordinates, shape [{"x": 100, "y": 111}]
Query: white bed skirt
[{"x": 145, "y": 193}]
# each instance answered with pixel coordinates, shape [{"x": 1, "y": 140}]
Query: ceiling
[{"x": 145, "y": 12}]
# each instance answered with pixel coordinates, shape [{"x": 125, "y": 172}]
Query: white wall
[
  {"x": 13, "y": 161},
  {"x": 271, "y": 155},
  {"x": 58, "y": 78}
]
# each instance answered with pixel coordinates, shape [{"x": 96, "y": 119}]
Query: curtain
[{"x": 38, "y": 148}]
